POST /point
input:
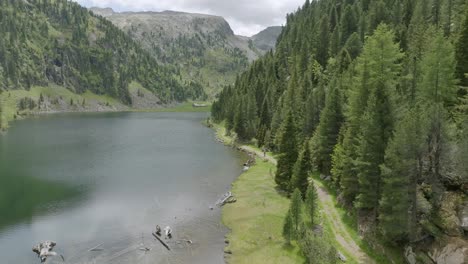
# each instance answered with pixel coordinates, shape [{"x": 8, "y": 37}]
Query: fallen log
[
  {"x": 223, "y": 200},
  {"x": 96, "y": 248},
  {"x": 162, "y": 242}
]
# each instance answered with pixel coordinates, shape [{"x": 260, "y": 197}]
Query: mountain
[
  {"x": 61, "y": 44},
  {"x": 371, "y": 96},
  {"x": 203, "y": 46},
  {"x": 265, "y": 40}
]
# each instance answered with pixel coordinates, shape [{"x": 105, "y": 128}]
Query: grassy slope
[
  {"x": 182, "y": 107},
  {"x": 382, "y": 254},
  {"x": 256, "y": 220},
  {"x": 259, "y": 214},
  {"x": 347, "y": 230},
  {"x": 9, "y": 99}
]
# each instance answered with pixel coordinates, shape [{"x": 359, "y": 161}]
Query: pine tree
[
  {"x": 438, "y": 83},
  {"x": 288, "y": 152},
  {"x": 401, "y": 172},
  {"x": 1, "y": 116},
  {"x": 436, "y": 93},
  {"x": 311, "y": 202},
  {"x": 296, "y": 211},
  {"x": 326, "y": 135},
  {"x": 370, "y": 155},
  {"x": 462, "y": 54},
  {"x": 377, "y": 71},
  {"x": 288, "y": 231},
  {"x": 302, "y": 169}
]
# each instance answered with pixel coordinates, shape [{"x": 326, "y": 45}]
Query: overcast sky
[{"x": 246, "y": 17}]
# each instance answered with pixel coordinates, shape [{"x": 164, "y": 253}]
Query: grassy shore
[
  {"x": 67, "y": 101},
  {"x": 182, "y": 107},
  {"x": 256, "y": 219}
]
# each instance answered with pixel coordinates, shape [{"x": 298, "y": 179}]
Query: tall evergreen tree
[
  {"x": 311, "y": 202},
  {"x": 326, "y": 135},
  {"x": 462, "y": 52},
  {"x": 377, "y": 71},
  {"x": 288, "y": 231},
  {"x": 302, "y": 169},
  {"x": 296, "y": 211},
  {"x": 401, "y": 172},
  {"x": 370, "y": 155},
  {"x": 288, "y": 146}
]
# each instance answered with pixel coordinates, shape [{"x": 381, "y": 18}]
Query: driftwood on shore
[
  {"x": 162, "y": 242},
  {"x": 227, "y": 198}
]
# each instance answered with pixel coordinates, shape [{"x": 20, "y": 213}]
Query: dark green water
[{"x": 88, "y": 179}]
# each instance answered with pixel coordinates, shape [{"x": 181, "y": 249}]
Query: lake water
[{"x": 85, "y": 180}]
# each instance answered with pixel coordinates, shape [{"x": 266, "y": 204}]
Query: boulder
[
  {"x": 410, "y": 256},
  {"x": 463, "y": 215},
  {"x": 451, "y": 251},
  {"x": 447, "y": 216}
]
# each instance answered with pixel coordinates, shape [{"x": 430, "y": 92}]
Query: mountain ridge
[{"x": 204, "y": 46}]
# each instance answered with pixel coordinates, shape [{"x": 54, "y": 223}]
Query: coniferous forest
[
  {"x": 62, "y": 43},
  {"x": 371, "y": 96}
]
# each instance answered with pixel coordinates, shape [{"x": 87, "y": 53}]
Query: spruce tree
[
  {"x": 326, "y": 135},
  {"x": 377, "y": 71},
  {"x": 311, "y": 202},
  {"x": 437, "y": 93},
  {"x": 462, "y": 52},
  {"x": 1, "y": 116},
  {"x": 400, "y": 175},
  {"x": 296, "y": 211},
  {"x": 288, "y": 231},
  {"x": 438, "y": 83},
  {"x": 370, "y": 155},
  {"x": 288, "y": 152},
  {"x": 302, "y": 169}
]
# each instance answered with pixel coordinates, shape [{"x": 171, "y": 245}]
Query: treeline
[
  {"x": 205, "y": 57},
  {"x": 371, "y": 94},
  {"x": 45, "y": 41}
]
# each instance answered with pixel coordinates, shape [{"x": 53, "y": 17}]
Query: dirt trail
[{"x": 341, "y": 234}]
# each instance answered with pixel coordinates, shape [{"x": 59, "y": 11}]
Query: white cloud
[{"x": 246, "y": 17}]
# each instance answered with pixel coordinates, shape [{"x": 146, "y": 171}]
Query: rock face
[
  {"x": 203, "y": 46},
  {"x": 447, "y": 216},
  {"x": 266, "y": 39},
  {"x": 452, "y": 251}
]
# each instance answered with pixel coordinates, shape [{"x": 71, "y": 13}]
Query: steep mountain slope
[
  {"x": 368, "y": 95},
  {"x": 204, "y": 46},
  {"x": 62, "y": 44},
  {"x": 265, "y": 40}
]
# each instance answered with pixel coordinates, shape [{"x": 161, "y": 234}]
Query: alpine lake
[{"x": 98, "y": 184}]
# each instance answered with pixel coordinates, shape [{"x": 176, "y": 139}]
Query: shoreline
[
  {"x": 255, "y": 221},
  {"x": 176, "y": 108},
  {"x": 264, "y": 210}
]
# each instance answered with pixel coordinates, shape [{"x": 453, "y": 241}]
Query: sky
[{"x": 246, "y": 17}]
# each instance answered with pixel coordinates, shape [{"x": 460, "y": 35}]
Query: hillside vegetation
[
  {"x": 371, "y": 95},
  {"x": 58, "y": 42},
  {"x": 204, "y": 47}
]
